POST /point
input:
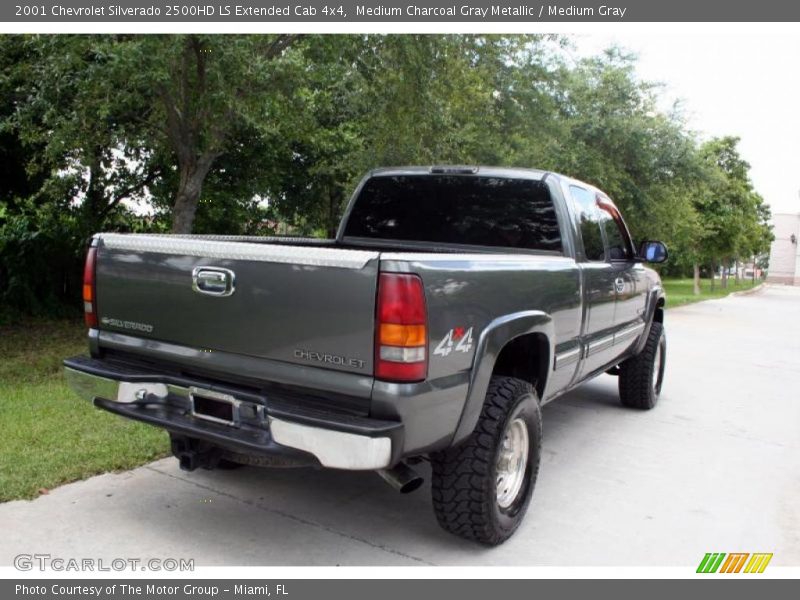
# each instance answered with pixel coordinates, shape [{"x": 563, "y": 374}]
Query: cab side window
[
  {"x": 617, "y": 244},
  {"x": 590, "y": 221}
]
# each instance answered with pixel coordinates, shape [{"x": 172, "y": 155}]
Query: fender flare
[
  {"x": 656, "y": 294},
  {"x": 491, "y": 342}
]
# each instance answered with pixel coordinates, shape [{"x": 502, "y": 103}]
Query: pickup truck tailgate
[{"x": 306, "y": 305}]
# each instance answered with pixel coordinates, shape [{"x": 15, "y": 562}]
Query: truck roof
[{"x": 486, "y": 171}]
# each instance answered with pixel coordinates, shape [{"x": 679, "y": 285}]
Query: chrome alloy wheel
[{"x": 511, "y": 462}]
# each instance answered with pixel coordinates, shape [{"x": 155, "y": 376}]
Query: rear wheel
[
  {"x": 641, "y": 376},
  {"x": 482, "y": 487}
]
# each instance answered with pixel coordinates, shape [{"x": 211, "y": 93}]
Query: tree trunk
[
  {"x": 725, "y": 264},
  {"x": 334, "y": 201},
  {"x": 184, "y": 210},
  {"x": 736, "y": 272},
  {"x": 696, "y": 279},
  {"x": 189, "y": 188},
  {"x": 94, "y": 202},
  {"x": 713, "y": 279}
]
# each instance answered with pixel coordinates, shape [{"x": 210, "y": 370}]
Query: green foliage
[
  {"x": 617, "y": 139},
  {"x": 734, "y": 214},
  {"x": 38, "y": 264},
  {"x": 269, "y": 133}
]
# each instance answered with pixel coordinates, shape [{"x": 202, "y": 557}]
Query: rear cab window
[{"x": 457, "y": 209}]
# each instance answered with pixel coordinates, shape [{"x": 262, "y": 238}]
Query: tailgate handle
[{"x": 213, "y": 281}]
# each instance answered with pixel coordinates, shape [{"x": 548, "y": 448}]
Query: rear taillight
[
  {"x": 89, "y": 289},
  {"x": 401, "y": 329}
]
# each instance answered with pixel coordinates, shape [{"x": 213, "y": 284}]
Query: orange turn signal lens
[
  {"x": 87, "y": 292},
  {"x": 392, "y": 334}
]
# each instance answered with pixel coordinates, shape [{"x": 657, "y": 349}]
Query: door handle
[
  {"x": 213, "y": 281},
  {"x": 619, "y": 285}
]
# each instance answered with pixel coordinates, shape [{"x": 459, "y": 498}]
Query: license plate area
[{"x": 214, "y": 406}]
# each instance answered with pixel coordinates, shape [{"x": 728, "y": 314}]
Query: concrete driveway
[{"x": 715, "y": 467}]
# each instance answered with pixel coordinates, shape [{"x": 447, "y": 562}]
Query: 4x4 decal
[{"x": 456, "y": 340}]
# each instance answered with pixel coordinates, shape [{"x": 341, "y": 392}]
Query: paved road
[{"x": 715, "y": 467}]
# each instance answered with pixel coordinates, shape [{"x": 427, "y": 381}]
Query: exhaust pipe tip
[
  {"x": 412, "y": 485},
  {"x": 402, "y": 478}
]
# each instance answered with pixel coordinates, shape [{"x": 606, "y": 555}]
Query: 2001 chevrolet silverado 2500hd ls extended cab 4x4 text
[{"x": 452, "y": 304}]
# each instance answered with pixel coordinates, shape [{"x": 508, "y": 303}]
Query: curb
[{"x": 759, "y": 287}]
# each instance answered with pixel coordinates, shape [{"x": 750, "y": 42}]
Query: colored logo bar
[{"x": 734, "y": 562}]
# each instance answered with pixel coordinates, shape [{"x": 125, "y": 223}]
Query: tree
[
  {"x": 613, "y": 136},
  {"x": 252, "y": 134},
  {"x": 76, "y": 173},
  {"x": 393, "y": 100},
  {"x": 117, "y": 109},
  {"x": 202, "y": 91},
  {"x": 19, "y": 175},
  {"x": 86, "y": 137},
  {"x": 734, "y": 214}
]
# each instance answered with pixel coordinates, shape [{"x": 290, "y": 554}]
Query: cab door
[
  {"x": 630, "y": 281},
  {"x": 599, "y": 282}
]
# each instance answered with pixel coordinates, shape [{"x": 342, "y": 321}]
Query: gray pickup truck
[{"x": 453, "y": 303}]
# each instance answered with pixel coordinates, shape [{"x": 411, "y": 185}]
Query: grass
[
  {"x": 48, "y": 435},
  {"x": 680, "y": 291}
]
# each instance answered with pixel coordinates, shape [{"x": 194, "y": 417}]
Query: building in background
[{"x": 784, "y": 256}]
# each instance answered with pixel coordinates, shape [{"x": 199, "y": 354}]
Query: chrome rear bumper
[{"x": 353, "y": 443}]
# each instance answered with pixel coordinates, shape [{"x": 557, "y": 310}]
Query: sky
[{"x": 730, "y": 84}]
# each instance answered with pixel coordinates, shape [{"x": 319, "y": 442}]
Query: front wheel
[
  {"x": 482, "y": 487},
  {"x": 641, "y": 376}
]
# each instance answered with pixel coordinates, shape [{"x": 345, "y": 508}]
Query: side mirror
[{"x": 653, "y": 252}]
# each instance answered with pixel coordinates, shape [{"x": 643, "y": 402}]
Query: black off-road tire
[
  {"x": 640, "y": 378},
  {"x": 464, "y": 485}
]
